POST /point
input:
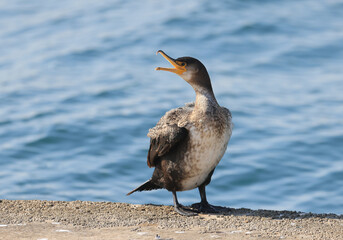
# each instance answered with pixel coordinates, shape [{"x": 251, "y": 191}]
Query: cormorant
[{"x": 188, "y": 142}]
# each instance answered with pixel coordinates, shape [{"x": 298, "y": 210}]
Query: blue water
[{"x": 78, "y": 93}]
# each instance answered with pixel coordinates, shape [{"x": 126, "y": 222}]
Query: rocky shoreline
[{"x": 35, "y": 219}]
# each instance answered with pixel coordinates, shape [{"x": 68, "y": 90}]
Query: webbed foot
[
  {"x": 184, "y": 211},
  {"x": 205, "y": 207},
  {"x": 181, "y": 209}
]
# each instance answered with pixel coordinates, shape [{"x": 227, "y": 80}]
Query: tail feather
[{"x": 147, "y": 186}]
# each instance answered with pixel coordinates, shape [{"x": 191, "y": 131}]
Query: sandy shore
[{"x": 36, "y": 219}]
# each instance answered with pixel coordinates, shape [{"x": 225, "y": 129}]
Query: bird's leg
[
  {"x": 178, "y": 207},
  {"x": 204, "y": 206}
]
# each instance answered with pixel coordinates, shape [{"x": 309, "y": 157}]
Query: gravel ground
[{"x": 34, "y": 219}]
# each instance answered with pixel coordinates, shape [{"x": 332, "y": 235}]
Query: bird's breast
[{"x": 206, "y": 148}]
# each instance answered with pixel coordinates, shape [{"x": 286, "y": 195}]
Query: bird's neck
[{"x": 205, "y": 100}]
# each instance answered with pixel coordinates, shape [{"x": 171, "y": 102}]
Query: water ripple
[{"x": 78, "y": 94}]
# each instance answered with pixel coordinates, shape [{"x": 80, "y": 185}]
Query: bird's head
[{"x": 190, "y": 69}]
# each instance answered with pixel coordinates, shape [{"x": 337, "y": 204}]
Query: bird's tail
[{"x": 147, "y": 186}]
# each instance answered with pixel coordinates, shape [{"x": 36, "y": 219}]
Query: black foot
[
  {"x": 205, "y": 208},
  {"x": 184, "y": 211}
]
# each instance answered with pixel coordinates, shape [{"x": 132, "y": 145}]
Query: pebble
[{"x": 62, "y": 230}]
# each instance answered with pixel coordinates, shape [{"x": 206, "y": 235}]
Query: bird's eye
[{"x": 182, "y": 64}]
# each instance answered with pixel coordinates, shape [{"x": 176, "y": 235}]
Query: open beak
[{"x": 178, "y": 69}]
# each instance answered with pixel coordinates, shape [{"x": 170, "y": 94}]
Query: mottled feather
[{"x": 168, "y": 132}]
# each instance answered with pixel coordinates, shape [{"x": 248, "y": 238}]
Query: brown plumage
[{"x": 188, "y": 142}]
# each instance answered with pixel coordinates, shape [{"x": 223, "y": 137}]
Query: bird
[{"x": 188, "y": 142}]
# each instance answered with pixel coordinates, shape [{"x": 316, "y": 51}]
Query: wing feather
[
  {"x": 165, "y": 142},
  {"x": 168, "y": 132}
]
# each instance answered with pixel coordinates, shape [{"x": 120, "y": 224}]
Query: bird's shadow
[{"x": 272, "y": 214}]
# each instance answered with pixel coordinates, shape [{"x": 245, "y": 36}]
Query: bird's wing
[
  {"x": 167, "y": 133},
  {"x": 165, "y": 142}
]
